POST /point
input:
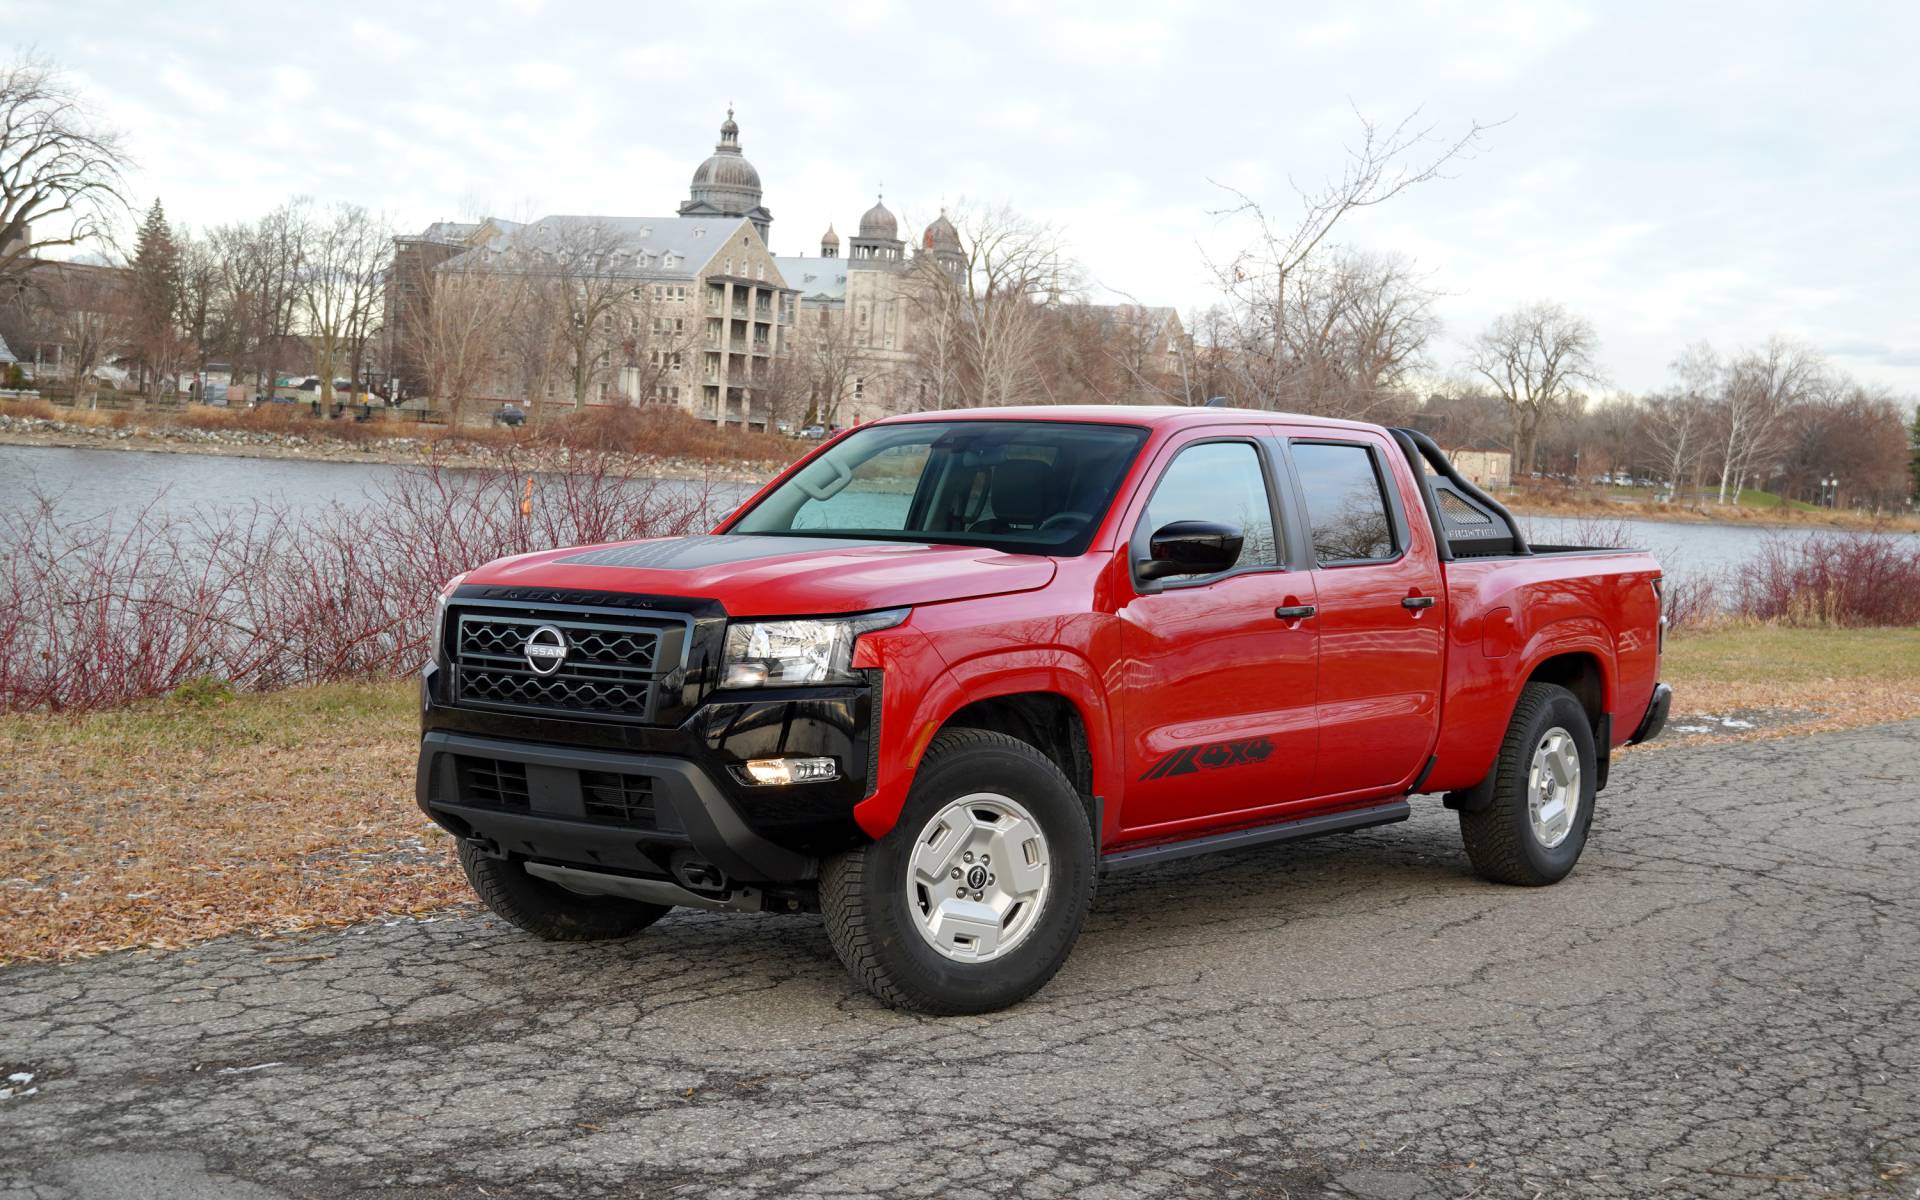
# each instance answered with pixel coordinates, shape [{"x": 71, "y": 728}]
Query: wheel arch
[
  {"x": 1580, "y": 666},
  {"x": 1048, "y": 699}
]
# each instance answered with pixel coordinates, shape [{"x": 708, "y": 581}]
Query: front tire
[
  {"x": 547, "y": 910},
  {"x": 974, "y": 899},
  {"x": 1543, "y": 789}
]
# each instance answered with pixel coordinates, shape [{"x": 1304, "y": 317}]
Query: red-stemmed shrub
[
  {"x": 105, "y": 612},
  {"x": 1836, "y": 579}
]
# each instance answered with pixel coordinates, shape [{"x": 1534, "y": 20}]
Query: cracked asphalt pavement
[{"x": 1721, "y": 1001}]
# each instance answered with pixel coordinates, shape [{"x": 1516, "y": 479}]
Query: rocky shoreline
[{"x": 394, "y": 451}]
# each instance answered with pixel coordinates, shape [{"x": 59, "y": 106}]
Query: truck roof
[{"x": 1149, "y": 415}]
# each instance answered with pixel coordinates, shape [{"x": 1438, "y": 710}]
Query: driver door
[{"x": 1219, "y": 672}]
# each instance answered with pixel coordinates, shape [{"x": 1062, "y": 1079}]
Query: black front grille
[
  {"x": 610, "y": 796},
  {"x": 493, "y": 783},
  {"x": 611, "y": 666}
]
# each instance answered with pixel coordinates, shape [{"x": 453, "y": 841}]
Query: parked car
[
  {"x": 813, "y": 432},
  {"x": 510, "y": 415},
  {"x": 949, "y": 669}
]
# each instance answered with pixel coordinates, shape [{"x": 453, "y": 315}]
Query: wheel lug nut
[
  {"x": 956, "y": 872},
  {"x": 989, "y": 879},
  {"x": 967, "y": 857},
  {"x": 985, "y": 859}
]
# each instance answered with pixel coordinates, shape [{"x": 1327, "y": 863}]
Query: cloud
[{"x": 1666, "y": 179}]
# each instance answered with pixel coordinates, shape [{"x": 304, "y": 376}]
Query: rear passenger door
[
  {"x": 1382, "y": 614},
  {"x": 1216, "y": 681}
]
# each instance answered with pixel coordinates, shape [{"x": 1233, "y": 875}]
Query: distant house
[
  {"x": 6, "y": 356},
  {"x": 1487, "y": 468}
]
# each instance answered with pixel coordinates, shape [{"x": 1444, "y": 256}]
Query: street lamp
[{"x": 1829, "y": 489}]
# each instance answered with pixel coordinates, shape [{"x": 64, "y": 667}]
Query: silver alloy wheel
[
  {"x": 1553, "y": 788},
  {"x": 978, "y": 877}
]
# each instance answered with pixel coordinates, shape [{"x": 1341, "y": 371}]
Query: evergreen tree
[{"x": 156, "y": 294}]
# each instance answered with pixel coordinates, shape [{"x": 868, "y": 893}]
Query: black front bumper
[
  {"x": 622, "y": 796},
  {"x": 550, "y": 818}
]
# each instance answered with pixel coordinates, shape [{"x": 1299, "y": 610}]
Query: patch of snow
[
  {"x": 20, "y": 1077},
  {"x": 244, "y": 1070},
  {"x": 1692, "y": 729}
]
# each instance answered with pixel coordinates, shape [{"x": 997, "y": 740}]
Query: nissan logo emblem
[{"x": 546, "y": 650}]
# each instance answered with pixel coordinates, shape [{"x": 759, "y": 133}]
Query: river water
[{"x": 87, "y": 484}]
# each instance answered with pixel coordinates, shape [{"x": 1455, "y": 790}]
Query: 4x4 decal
[{"x": 1210, "y": 756}]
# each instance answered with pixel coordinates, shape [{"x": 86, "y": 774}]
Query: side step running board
[{"x": 1259, "y": 835}]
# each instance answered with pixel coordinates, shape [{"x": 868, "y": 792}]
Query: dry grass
[
  {"x": 183, "y": 819},
  {"x": 204, "y": 814},
  {"x": 1797, "y": 680}
]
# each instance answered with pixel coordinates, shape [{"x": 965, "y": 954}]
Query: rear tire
[
  {"x": 549, "y": 911},
  {"x": 1533, "y": 832},
  {"x": 975, "y": 934}
]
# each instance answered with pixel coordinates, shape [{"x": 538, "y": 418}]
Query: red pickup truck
[{"x": 949, "y": 669}]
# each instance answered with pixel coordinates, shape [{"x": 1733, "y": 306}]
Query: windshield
[{"x": 1027, "y": 487}]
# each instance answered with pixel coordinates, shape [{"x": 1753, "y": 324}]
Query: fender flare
[
  {"x": 1055, "y": 670},
  {"x": 1572, "y": 635}
]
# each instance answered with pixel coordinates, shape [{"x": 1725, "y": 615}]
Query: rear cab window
[{"x": 1349, "y": 513}]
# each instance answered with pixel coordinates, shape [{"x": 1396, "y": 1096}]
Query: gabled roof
[
  {"x": 655, "y": 247},
  {"x": 6, "y": 355},
  {"x": 814, "y": 278}
]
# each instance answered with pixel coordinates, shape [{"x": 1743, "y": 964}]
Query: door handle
[
  {"x": 1294, "y": 612},
  {"x": 1418, "y": 602}
]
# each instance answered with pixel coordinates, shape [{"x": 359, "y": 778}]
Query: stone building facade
[{"x": 729, "y": 331}]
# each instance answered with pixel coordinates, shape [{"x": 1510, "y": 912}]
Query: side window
[
  {"x": 1345, "y": 502},
  {"x": 1218, "y": 481}
]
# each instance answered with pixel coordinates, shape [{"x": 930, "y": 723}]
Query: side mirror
[{"x": 1190, "y": 548}]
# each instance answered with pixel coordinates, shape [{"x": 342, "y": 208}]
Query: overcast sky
[{"x": 1671, "y": 171}]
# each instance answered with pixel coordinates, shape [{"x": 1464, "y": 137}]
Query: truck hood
[{"x": 754, "y": 575}]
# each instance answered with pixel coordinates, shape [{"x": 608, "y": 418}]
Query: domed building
[
  {"x": 726, "y": 185},
  {"x": 941, "y": 242},
  {"x": 878, "y": 243}
]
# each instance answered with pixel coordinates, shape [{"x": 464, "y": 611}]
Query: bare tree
[
  {"x": 1676, "y": 421},
  {"x": 1354, "y": 327},
  {"x": 60, "y": 171},
  {"x": 456, "y": 334},
  {"x": 531, "y": 336},
  {"x": 260, "y": 267},
  {"x": 826, "y": 357},
  {"x": 937, "y": 338},
  {"x": 1534, "y": 357},
  {"x": 586, "y": 261},
  {"x": 202, "y": 302},
  {"x": 1759, "y": 388},
  {"x": 85, "y": 313},
  {"x": 339, "y": 290},
  {"x": 1269, "y": 284},
  {"x": 1014, "y": 266}
]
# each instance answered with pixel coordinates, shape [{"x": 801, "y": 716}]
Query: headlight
[
  {"x": 438, "y": 638},
  {"x": 794, "y": 653}
]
